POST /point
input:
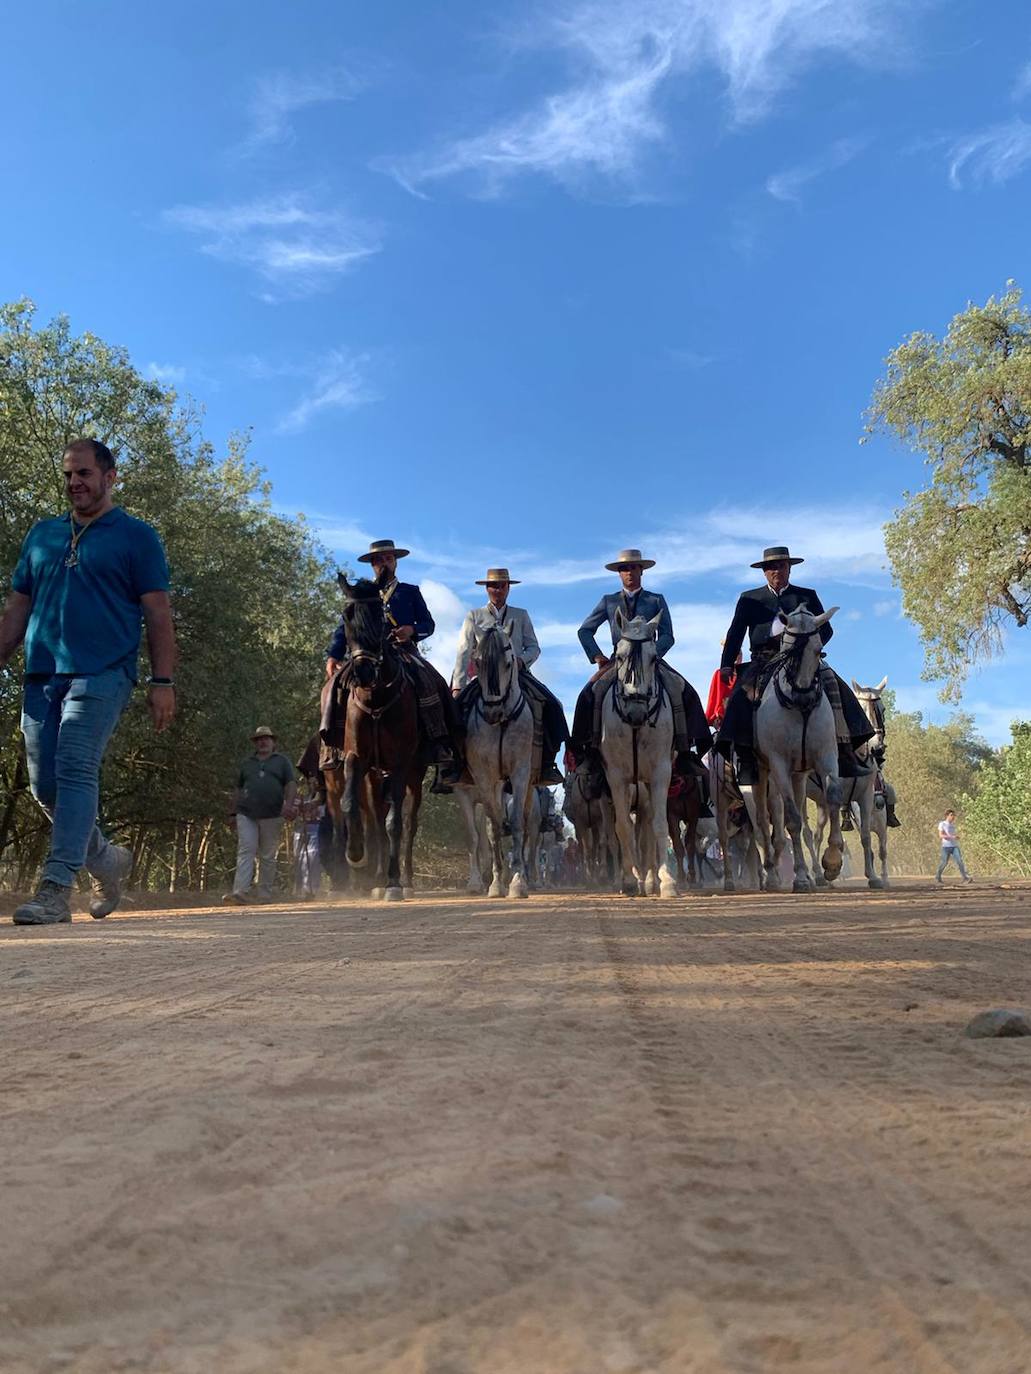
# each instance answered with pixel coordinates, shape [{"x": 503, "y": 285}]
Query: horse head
[
  {"x": 869, "y": 699},
  {"x": 495, "y": 669},
  {"x": 636, "y": 656},
  {"x": 365, "y": 627},
  {"x": 802, "y": 644}
]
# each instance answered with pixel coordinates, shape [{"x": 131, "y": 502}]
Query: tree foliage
[
  {"x": 931, "y": 767},
  {"x": 960, "y": 549},
  {"x": 998, "y": 815},
  {"x": 253, "y": 595}
]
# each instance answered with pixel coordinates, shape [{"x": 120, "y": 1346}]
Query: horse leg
[
  {"x": 467, "y": 804},
  {"x": 834, "y": 854},
  {"x": 722, "y": 808},
  {"x": 866, "y": 806},
  {"x": 767, "y": 841},
  {"x": 393, "y": 828},
  {"x": 352, "y": 807},
  {"x": 495, "y": 825},
  {"x": 631, "y": 883},
  {"x": 521, "y": 796},
  {"x": 412, "y": 803},
  {"x": 694, "y": 866},
  {"x": 812, "y": 842},
  {"x": 882, "y": 845},
  {"x": 794, "y": 804},
  {"x": 664, "y": 879}
]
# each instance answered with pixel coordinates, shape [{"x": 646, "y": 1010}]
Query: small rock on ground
[{"x": 1001, "y": 1021}]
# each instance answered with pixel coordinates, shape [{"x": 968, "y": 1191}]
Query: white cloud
[
  {"x": 883, "y": 608},
  {"x": 448, "y": 613},
  {"x": 292, "y": 245},
  {"x": 996, "y": 155},
  {"x": 626, "y": 55},
  {"x": 339, "y": 383},
  {"x": 788, "y": 184},
  {"x": 279, "y": 95},
  {"x": 1022, "y": 85},
  {"x": 168, "y": 374}
]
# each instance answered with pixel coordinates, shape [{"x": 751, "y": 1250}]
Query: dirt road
[{"x": 581, "y": 1134}]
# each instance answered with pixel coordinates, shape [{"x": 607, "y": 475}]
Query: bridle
[
  {"x": 492, "y": 709},
  {"x": 640, "y": 709},
  {"x": 786, "y": 665}
]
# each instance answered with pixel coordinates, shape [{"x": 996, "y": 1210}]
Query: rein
[
  {"x": 501, "y": 725},
  {"x": 393, "y": 686},
  {"x": 804, "y": 700}
]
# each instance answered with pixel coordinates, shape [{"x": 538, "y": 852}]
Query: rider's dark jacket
[
  {"x": 405, "y": 606},
  {"x": 754, "y": 613},
  {"x": 644, "y": 603}
]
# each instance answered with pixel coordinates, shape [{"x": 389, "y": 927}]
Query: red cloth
[{"x": 718, "y": 693}]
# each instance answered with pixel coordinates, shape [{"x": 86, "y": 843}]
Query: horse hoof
[
  {"x": 821, "y": 881},
  {"x": 495, "y": 890},
  {"x": 651, "y": 887},
  {"x": 728, "y": 886},
  {"x": 773, "y": 883},
  {"x": 377, "y": 894},
  {"x": 629, "y": 889},
  {"x": 409, "y": 892},
  {"x": 394, "y": 894},
  {"x": 668, "y": 890},
  {"x": 801, "y": 885},
  {"x": 876, "y": 883},
  {"x": 475, "y": 890},
  {"x": 517, "y": 888}
]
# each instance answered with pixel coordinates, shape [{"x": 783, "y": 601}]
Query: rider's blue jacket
[
  {"x": 646, "y": 603},
  {"x": 405, "y": 606}
]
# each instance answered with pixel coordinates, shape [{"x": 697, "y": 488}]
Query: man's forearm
[
  {"x": 12, "y": 625},
  {"x": 160, "y": 640}
]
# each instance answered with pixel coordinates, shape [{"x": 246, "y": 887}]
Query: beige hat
[
  {"x": 497, "y": 575},
  {"x": 626, "y": 556},
  {"x": 382, "y": 546},
  {"x": 263, "y": 732}
]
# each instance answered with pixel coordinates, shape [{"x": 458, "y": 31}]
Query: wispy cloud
[
  {"x": 625, "y": 58},
  {"x": 995, "y": 155},
  {"x": 295, "y": 247},
  {"x": 279, "y": 95},
  {"x": 1022, "y": 85},
  {"x": 339, "y": 383},
  {"x": 168, "y": 374},
  {"x": 787, "y": 185}
]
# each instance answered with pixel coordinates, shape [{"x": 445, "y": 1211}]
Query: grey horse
[
  {"x": 637, "y": 750},
  {"x": 499, "y": 748},
  {"x": 795, "y": 735},
  {"x": 594, "y": 822}
]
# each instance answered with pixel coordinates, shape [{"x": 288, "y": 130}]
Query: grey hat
[
  {"x": 382, "y": 546},
  {"x": 779, "y": 553},
  {"x": 263, "y": 732},
  {"x": 626, "y": 556}
]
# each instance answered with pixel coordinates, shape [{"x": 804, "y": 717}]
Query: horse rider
[
  {"x": 760, "y": 613},
  {"x": 410, "y": 622},
  {"x": 691, "y": 732},
  {"x": 549, "y": 718}
]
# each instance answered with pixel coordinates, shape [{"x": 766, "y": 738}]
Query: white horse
[
  {"x": 795, "y": 735},
  {"x": 499, "y": 748},
  {"x": 637, "y": 750},
  {"x": 859, "y": 796}
]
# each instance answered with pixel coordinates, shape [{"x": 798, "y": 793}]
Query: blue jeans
[
  {"x": 67, "y": 722},
  {"x": 950, "y": 851}
]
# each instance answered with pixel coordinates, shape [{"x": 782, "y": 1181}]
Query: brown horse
[
  {"x": 380, "y": 785},
  {"x": 683, "y": 804}
]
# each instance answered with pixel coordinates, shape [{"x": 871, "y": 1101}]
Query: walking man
[
  {"x": 82, "y": 585},
  {"x": 950, "y": 847},
  {"x": 265, "y": 791}
]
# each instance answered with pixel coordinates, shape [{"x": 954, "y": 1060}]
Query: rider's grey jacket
[
  {"x": 524, "y": 641},
  {"x": 645, "y": 603}
]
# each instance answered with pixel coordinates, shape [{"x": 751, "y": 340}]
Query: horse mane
[
  {"x": 489, "y": 659},
  {"x": 363, "y": 615}
]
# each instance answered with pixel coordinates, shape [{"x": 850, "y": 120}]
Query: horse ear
[
  {"x": 819, "y": 620},
  {"x": 882, "y": 684},
  {"x": 856, "y": 687},
  {"x": 346, "y": 587},
  {"x": 656, "y": 621}
]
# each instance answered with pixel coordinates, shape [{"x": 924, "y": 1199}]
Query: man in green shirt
[{"x": 265, "y": 791}]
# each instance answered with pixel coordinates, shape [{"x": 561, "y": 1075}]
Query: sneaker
[
  {"x": 968, "y": 880},
  {"x": 107, "y": 889},
  {"x": 49, "y": 907},
  {"x": 235, "y": 899}
]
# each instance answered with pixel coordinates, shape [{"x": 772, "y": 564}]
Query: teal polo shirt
[{"x": 86, "y": 619}]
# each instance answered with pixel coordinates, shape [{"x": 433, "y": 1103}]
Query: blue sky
[{"x": 526, "y": 284}]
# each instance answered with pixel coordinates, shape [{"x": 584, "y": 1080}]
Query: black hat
[
  {"x": 382, "y": 546},
  {"x": 777, "y": 554}
]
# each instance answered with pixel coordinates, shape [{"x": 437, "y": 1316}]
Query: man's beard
[{"x": 384, "y": 578}]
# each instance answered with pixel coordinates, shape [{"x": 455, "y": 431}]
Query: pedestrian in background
[
  {"x": 307, "y": 859},
  {"x": 950, "y": 847},
  {"x": 264, "y": 796}
]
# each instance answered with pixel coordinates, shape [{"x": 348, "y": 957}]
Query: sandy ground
[{"x": 581, "y": 1134}]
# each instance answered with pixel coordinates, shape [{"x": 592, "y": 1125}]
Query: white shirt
[{"x": 947, "y": 832}]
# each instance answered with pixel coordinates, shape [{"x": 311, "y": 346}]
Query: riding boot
[
  {"x": 705, "y": 810},
  {"x": 550, "y": 776},
  {"x": 893, "y": 820},
  {"x": 747, "y": 765}
]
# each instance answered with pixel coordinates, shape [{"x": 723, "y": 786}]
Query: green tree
[
  {"x": 931, "y": 767},
  {"x": 253, "y": 594},
  {"x": 960, "y": 549},
  {"x": 998, "y": 816}
]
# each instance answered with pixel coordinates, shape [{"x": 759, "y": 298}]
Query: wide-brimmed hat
[
  {"x": 626, "y": 556},
  {"x": 779, "y": 553},
  {"x": 382, "y": 546},
  {"x": 497, "y": 575},
  {"x": 264, "y": 732}
]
